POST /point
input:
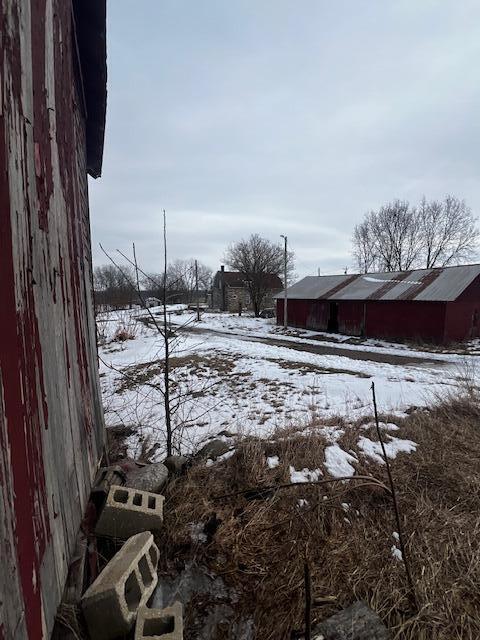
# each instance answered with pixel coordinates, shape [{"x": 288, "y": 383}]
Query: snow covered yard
[
  {"x": 230, "y": 373},
  {"x": 298, "y": 470}
]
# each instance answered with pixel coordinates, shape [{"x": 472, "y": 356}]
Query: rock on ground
[
  {"x": 357, "y": 622},
  {"x": 151, "y": 477},
  {"x": 214, "y": 449},
  {"x": 175, "y": 464}
]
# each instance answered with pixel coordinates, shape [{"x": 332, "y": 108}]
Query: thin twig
[
  {"x": 413, "y": 596},
  {"x": 275, "y": 487},
  {"x": 308, "y": 603}
]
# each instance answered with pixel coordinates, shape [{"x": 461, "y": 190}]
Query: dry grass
[{"x": 260, "y": 547}]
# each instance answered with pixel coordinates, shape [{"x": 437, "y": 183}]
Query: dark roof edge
[{"x": 91, "y": 28}]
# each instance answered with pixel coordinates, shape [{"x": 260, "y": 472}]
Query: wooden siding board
[
  {"x": 351, "y": 317},
  {"x": 51, "y": 427},
  {"x": 395, "y": 319},
  {"x": 406, "y": 319}
]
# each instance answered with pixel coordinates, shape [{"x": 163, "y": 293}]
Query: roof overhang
[{"x": 91, "y": 31}]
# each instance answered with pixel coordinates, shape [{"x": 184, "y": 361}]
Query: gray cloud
[{"x": 279, "y": 117}]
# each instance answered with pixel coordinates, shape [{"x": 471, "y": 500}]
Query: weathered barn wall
[
  {"x": 463, "y": 316},
  {"x": 406, "y": 319},
  {"x": 297, "y": 312},
  {"x": 462, "y": 321},
  {"x": 397, "y": 319},
  {"x": 317, "y": 314},
  {"x": 51, "y": 429},
  {"x": 352, "y": 317}
]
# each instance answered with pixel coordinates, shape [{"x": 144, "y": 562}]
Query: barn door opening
[{"x": 333, "y": 317}]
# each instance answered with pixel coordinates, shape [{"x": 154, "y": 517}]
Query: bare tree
[
  {"x": 180, "y": 280},
  {"x": 176, "y": 395},
  {"x": 181, "y": 277},
  {"x": 448, "y": 230},
  {"x": 258, "y": 259},
  {"x": 364, "y": 251},
  {"x": 399, "y": 236},
  {"x": 112, "y": 286}
]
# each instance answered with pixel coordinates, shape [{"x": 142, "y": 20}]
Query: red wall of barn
[
  {"x": 351, "y": 317},
  {"x": 51, "y": 428},
  {"x": 297, "y": 313},
  {"x": 400, "y": 319},
  {"x": 462, "y": 318},
  {"x": 317, "y": 315}
]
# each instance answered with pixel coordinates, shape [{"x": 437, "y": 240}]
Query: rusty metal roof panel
[
  {"x": 409, "y": 286},
  {"x": 364, "y": 287},
  {"x": 313, "y": 287},
  {"x": 450, "y": 283}
]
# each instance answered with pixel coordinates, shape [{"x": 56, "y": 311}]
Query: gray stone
[
  {"x": 175, "y": 464},
  {"x": 357, "y": 622},
  {"x": 213, "y": 449},
  {"x": 151, "y": 477}
]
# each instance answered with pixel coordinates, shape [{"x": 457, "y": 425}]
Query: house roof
[
  {"x": 435, "y": 285},
  {"x": 236, "y": 279},
  {"x": 90, "y": 23}
]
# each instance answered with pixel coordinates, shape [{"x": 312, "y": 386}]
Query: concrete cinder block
[
  {"x": 130, "y": 511},
  {"x": 111, "y": 603},
  {"x": 161, "y": 624}
]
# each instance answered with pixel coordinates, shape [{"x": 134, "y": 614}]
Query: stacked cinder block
[
  {"x": 164, "y": 624},
  {"x": 130, "y": 511},
  {"x": 111, "y": 603}
]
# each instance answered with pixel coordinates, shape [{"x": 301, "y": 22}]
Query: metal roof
[
  {"x": 313, "y": 287},
  {"x": 434, "y": 285}
]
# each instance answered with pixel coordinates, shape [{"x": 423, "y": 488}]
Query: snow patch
[
  {"x": 396, "y": 553},
  {"x": 224, "y": 456},
  {"x": 386, "y": 426},
  {"x": 273, "y": 462},
  {"x": 373, "y": 449},
  {"x": 338, "y": 461},
  {"x": 305, "y": 475}
]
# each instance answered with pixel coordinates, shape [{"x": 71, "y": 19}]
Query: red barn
[
  {"x": 52, "y": 113},
  {"x": 433, "y": 305}
]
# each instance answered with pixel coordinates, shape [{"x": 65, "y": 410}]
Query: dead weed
[{"x": 345, "y": 533}]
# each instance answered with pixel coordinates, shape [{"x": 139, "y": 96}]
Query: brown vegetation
[{"x": 260, "y": 546}]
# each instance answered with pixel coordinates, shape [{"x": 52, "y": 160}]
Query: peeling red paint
[
  {"x": 21, "y": 417},
  {"x": 41, "y": 126},
  {"x": 50, "y": 419}
]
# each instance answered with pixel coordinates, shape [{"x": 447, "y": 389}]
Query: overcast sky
[{"x": 275, "y": 116}]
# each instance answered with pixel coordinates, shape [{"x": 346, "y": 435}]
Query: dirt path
[{"x": 353, "y": 354}]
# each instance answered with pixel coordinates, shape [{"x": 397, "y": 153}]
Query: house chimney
[{"x": 222, "y": 268}]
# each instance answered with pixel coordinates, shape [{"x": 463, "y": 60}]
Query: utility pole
[
  {"x": 196, "y": 291},
  {"x": 285, "y": 256}
]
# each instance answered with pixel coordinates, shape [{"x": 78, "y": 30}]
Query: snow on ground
[
  {"x": 337, "y": 461},
  {"x": 393, "y": 446},
  {"x": 273, "y": 462},
  {"x": 227, "y": 376},
  {"x": 304, "y": 475}
]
